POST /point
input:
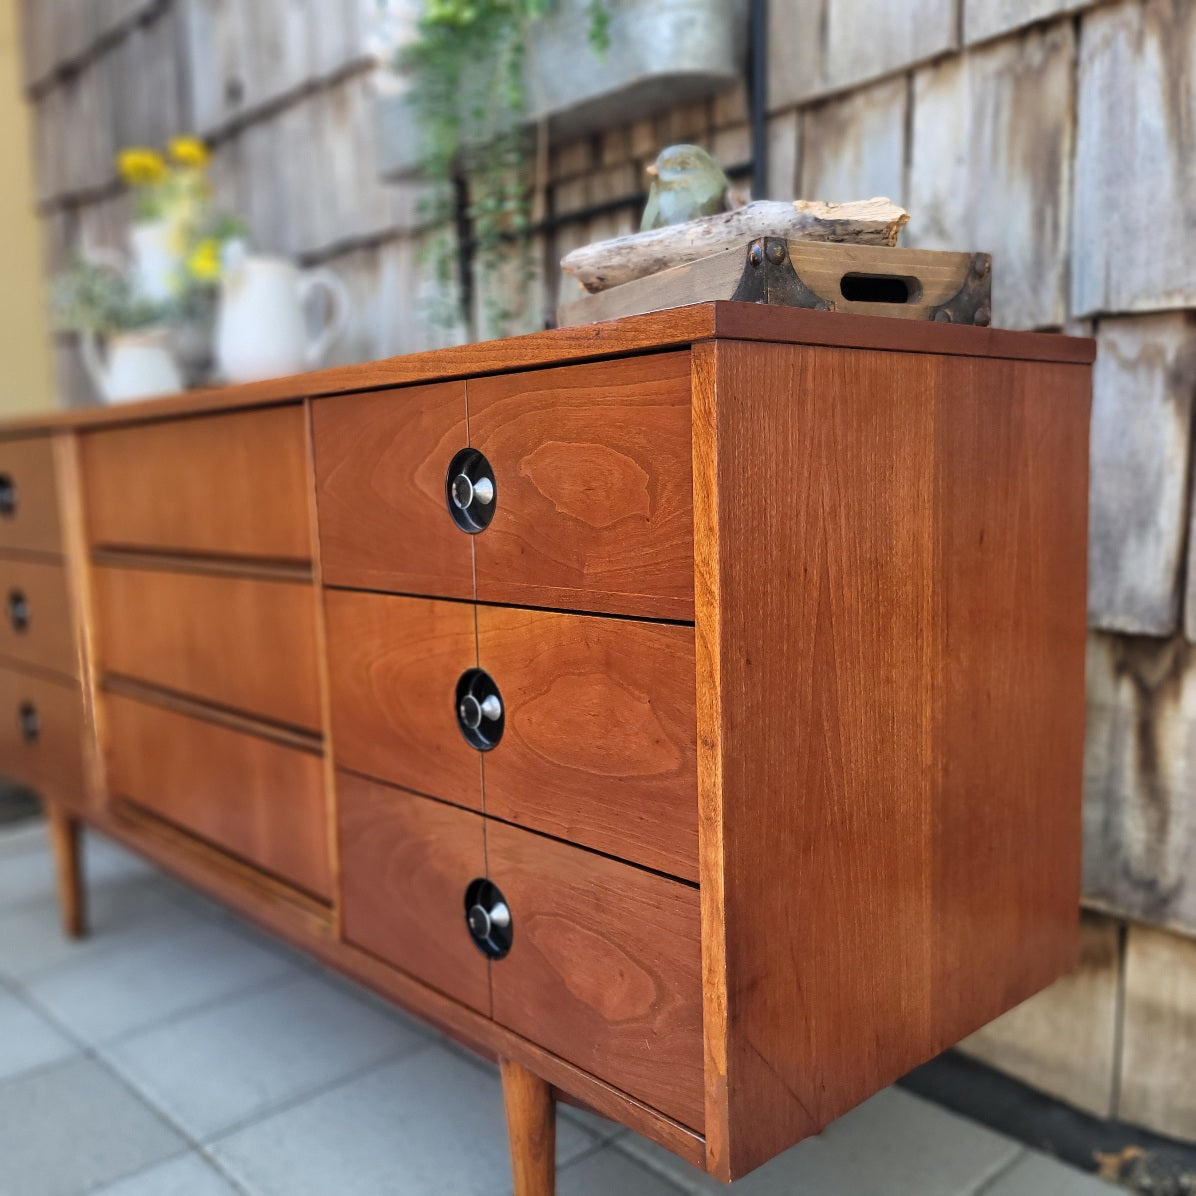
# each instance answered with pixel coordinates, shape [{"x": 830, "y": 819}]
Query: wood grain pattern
[
  {"x": 310, "y": 928},
  {"x": 604, "y": 968},
  {"x": 407, "y": 863},
  {"x": 531, "y": 1130},
  {"x": 233, "y": 486},
  {"x": 52, "y": 762},
  {"x": 594, "y": 493},
  {"x": 65, "y": 834},
  {"x": 180, "y": 768},
  {"x": 381, "y": 463},
  {"x": 928, "y": 693},
  {"x": 33, "y": 525},
  {"x": 394, "y": 664},
  {"x": 37, "y": 624},
  {"x": 74, "y": 539},
  {"x": 241, "y": 643},
  {"x": 598, "y": 742},
  {"x": 675, "y": 328}
]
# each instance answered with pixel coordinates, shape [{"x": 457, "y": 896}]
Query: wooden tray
[{"x": 874, "y": 280}]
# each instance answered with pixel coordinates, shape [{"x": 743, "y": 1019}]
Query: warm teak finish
[
  {"x": 235, "y": 485},
  {"x": 245, "y": 643},
  {"x": 36, "y": 618},
  {"x": 259, "y": 800},
  {"x": 598, "y": 746},
  {"x": 687, "y": 710}
]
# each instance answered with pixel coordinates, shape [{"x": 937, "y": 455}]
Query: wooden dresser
[{"x": 686, "y": 711}]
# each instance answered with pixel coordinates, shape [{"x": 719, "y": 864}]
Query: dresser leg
[
  {"x": 531, "y": 1129},
  {"x": 65, "y": 841}
]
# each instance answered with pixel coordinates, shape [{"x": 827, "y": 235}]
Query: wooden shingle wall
[{"x": 1057, "y": 134}]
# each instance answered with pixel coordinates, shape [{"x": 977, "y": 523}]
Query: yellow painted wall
[{"x": 26, "y": 377}]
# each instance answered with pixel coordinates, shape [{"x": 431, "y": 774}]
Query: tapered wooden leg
[
  {"x": 68, "y": 866},
  {"x": 531, "y": 1128}
]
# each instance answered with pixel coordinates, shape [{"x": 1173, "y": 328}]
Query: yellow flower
[
  {"x": 204, "y": 262},
  {"x": 141, "y": 167},
  {"x": 189, "y": 151}
]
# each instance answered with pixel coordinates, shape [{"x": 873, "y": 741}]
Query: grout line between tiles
[
  {"x": 399, "y": 1055},
  {"x": 607, "y": 1145},
  {"x": 1000, "y": 1170}
]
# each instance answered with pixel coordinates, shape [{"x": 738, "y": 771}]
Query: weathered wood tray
[{"x": 875, "y": 280}]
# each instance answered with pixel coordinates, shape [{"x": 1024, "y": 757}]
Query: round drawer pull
[
  {"x": 470, "y": 491},
  {"x": 8, "y": 496},
  {"x": 29, "y": 722},
  {"x": 489, "y": 918},
  {"x": 18, "y": 611},
  {"x": 480, "y": 713}
]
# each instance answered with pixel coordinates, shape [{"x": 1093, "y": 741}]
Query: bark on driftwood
[{"x": 622, "y": 259}]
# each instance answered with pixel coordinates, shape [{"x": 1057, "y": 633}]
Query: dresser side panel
[{"x": 888, "y": 622}]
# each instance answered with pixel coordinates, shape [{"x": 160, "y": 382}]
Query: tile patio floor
[{"x": 178, "y": 1052}]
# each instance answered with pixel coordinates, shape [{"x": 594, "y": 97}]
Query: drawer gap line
[
  {"x": 547, "y": 610},
  {"x": 211, "y": 712},
  {"x": 531, "y": 830},
  {"x": 255, "y": 568},
  {"x": 248, "y": 874}
]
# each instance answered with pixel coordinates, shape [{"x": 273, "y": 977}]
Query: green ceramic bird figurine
[{"x": 686, "y": 182}]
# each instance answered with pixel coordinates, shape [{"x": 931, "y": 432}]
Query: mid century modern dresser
[{"x": 686, "y": 711}]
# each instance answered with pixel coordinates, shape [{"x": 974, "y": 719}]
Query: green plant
[
  {"x": 97, "y": 298},
  {"x": 467, "y": 71}
]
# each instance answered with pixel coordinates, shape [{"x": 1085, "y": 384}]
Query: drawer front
[
  {"x": 395, "y": 663},
  {"x": 406, "y": 862},
  {"x": 224, "y": 485},
  {"x": 594, "y": 487},
  {"x": 246, "y": 644},
  {"x": 41, "y": 735},
  {"x": 29, "y": 517},
  {"x": 599, "y": 734},
  {"x": 381, "y": 463},
  {"x": 255, "y": 798},
  {"x": 36, "y": 624},
  {"x": 604, "y": 967}
]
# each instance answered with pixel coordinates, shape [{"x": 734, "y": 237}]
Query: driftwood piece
[
  {"x": 622, "y": 259},
  {"x": 925, "y": 280}
]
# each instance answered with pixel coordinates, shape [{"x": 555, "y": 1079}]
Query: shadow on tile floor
[{"x": 180, "y": 1052}]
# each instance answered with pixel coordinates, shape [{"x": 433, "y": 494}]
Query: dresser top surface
[{"x": 671, "y": 329}]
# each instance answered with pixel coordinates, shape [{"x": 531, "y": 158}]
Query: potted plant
[{"x": 98, "y": 300}]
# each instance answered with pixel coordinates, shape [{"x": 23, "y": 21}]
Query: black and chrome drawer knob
[
  {"x": 18, "y": 610},
  {"x": 489, "y": 918},
  {"x": 471, "y": 491},
  {"x": 8, "y": 496},
  {"x": 480, "y": 713},
  {"x": 29, "y": 722}
]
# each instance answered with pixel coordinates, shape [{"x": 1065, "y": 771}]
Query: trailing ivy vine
[{"x": 468, "y": 77}]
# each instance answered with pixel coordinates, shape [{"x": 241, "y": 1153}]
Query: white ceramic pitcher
[
  {"x": 133, "y": 365},
  {"x": 261, "y": 331}
]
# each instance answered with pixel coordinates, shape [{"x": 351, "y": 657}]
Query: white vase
[
  {"x": 155, "y": 263},
  {"x": 133, "y": 365},
  {"x": 261, "y": 331}
]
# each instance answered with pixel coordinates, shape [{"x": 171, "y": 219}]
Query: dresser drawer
[
  {"x": 381, "y": 460},
  {"x": 395, "y": 663},
  {"x": 406, "y": 863},
  {"x": 604, "y": 967},
  {"x": 41, "y": 735},
  {"x": 29, "y": 517},
  {"x": 599, "y": 732},
  {"x": 242, "y": 643},
  {"x": 36, "y": 624},
  {"x": 594, "y": 487},
  {"x": 225, "y": 485},
  {"x": 255, "y": 798}
]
